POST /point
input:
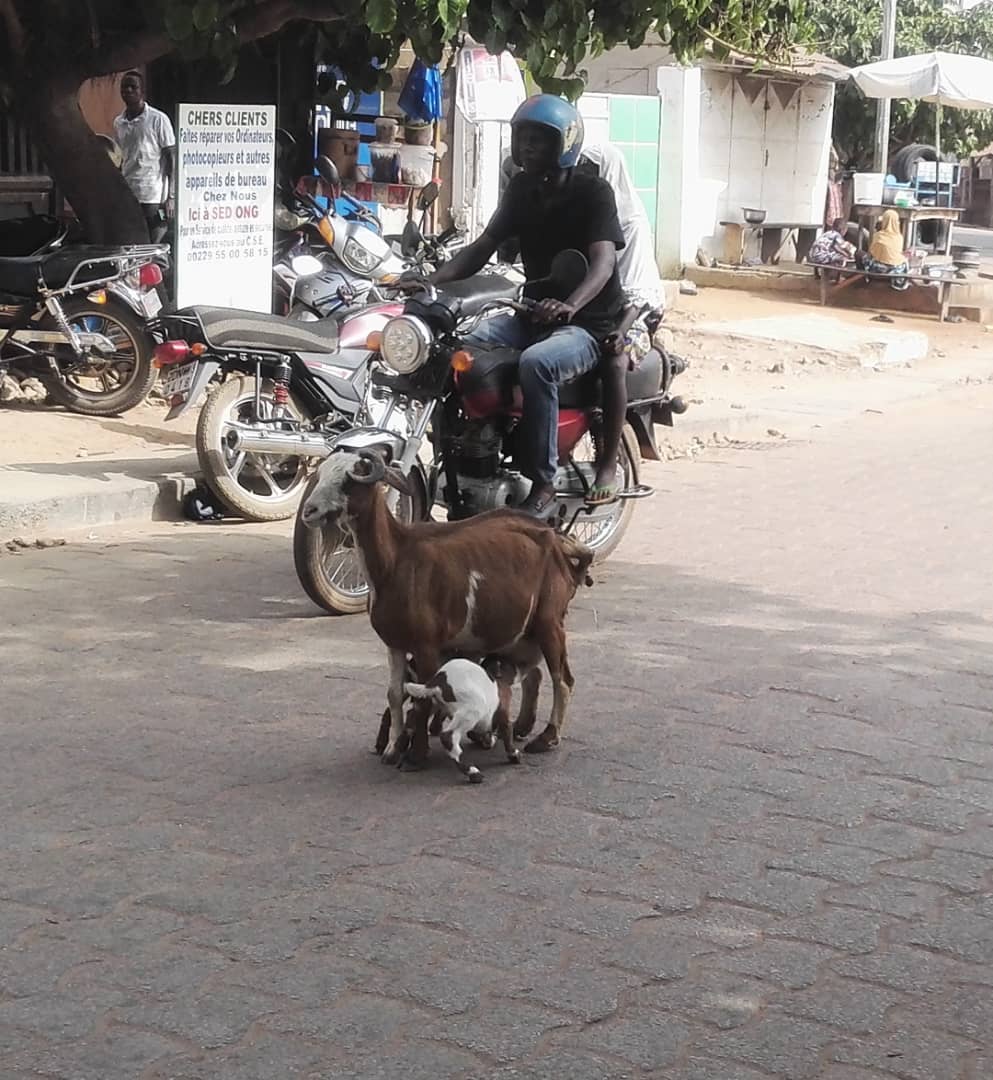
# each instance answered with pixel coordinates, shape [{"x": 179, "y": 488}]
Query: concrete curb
[{"x": 51, "y": 499}]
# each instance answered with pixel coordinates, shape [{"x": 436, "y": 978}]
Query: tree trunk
[{"x": 80, "y": 166}]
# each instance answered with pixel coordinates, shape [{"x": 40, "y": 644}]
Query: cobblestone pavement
[{"x": 764, "y": 849}]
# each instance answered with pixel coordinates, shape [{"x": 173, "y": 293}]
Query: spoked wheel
[
  {"x": 329, "y": 567},
  {"x": 604, "y": 529},
  {"x": 104, "y": 384},
  {"x": 259, "y": 487}
]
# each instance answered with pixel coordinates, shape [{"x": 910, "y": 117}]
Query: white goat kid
[{"x": 473, "y": 700}]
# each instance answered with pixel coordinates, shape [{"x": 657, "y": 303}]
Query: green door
[{"x": 634, "y": 125}]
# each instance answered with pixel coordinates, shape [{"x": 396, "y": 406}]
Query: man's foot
[
  {"x": 539, "y": 503},
  {"x": 602, "y": 494},
  {"x": 604, "y": 488}
]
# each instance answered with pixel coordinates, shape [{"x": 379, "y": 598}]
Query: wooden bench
[
  {"x": 848, "y": 275},
  {"x": 773, "y": 236}
]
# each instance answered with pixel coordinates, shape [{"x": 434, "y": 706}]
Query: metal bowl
[{"x": 753, "y": 217}]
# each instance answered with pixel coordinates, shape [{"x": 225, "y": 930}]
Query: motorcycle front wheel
[
  {"x": 99, "y": 384},
  {"x": 329, "y": 567},
  {"x": 257, "y": 487}
]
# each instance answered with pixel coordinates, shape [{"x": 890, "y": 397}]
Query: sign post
[{"x": 224, "y": 204}]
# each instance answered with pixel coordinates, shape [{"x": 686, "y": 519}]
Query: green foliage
[
  {"x": 554, "y": 36},
  {"x": 850, "y": 31}
]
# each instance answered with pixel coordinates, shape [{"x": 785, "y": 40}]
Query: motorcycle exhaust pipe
[{"x": 278, "y": 443}]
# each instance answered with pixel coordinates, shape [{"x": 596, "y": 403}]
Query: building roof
[{"x": 801, "y": 65}]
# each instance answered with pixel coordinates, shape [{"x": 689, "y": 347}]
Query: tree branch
[
  {"x": 256, "y": 22},
  {"x": 266, "y": 19},
  {"x": 132, "y": 52}
]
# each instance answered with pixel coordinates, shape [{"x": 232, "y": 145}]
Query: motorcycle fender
[
  {"x": 208, "y": 369},
  {"x": 370, "y": 438},
  {"x": 128, "y": 296},
  {"x": 641, "y": 421}
]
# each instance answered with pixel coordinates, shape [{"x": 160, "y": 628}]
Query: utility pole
[{"x": 881, "y": 156}]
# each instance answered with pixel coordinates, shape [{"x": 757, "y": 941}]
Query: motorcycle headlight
[
  {"x": 405, "y": 344},
  {"x": 359, "y": 258}
]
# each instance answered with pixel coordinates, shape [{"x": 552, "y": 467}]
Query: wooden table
[
  {"x": 909, "y": 217},
  {"x": 774, "y": 236}
]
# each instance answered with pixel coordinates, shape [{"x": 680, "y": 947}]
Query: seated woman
[
  {"x": 831, "y": 249},
  {"x": 886, "y": 254},
  {"x": 643, "y": 292}
]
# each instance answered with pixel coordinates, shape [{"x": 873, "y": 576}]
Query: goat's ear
[{"x": 397, "y": 480}]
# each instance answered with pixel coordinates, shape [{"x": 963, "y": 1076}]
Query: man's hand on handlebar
[
  {"x": 553, "y": 312},
  {"x": 412, "y": 281}
]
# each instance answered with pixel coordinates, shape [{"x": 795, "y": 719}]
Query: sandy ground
[{"x": 726, "y": 378}]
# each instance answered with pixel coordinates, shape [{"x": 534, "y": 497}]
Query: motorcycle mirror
[
  {"x": 427, "y": 196},
  {"x": 568, "y": 270},
  {"x": 306, "y": 266},
  {"x": 328, "y": 171},
  {"x": 285, "y": 220},
  {"x": 411, "y": 239}
]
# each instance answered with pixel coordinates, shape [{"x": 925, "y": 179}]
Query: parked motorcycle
[
  {"x": 287, "y": 389},
  {"x": 78, "y": 316},
  {"x": 466, "y": 400},
  {"x": 291, "y": 384},
  {"x": 358, "y": 263}
]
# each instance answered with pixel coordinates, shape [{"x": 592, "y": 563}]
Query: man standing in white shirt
[{"x": 148, "y": 146}]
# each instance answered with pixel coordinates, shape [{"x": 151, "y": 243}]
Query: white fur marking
[{"x": 465, "y": 638}]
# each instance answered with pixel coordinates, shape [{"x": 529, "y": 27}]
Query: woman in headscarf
[
  {"x": 643, "y": 292},
  {"x": 886, "y": 254}
]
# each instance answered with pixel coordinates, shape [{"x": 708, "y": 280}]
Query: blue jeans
[{"x": 547, "y": 361}]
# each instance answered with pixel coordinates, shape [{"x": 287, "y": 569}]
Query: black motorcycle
[
  {"x": 76, "y": 315},
  {"x": 465, "y": 400}
]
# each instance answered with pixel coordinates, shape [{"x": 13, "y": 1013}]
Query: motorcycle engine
[{"x": 484, "y": 485}]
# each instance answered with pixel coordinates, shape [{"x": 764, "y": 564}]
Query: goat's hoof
[
  {"x": 542, "y": 744},
  {"x": 391, "y": 757},
  {"x": 514, "y": 757},
  {"x": 475, "y": 776}
]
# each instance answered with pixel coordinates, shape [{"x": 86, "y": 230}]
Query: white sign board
[
  {"x": 488, "y": 87},
  {"x": 225, "y": 189}
]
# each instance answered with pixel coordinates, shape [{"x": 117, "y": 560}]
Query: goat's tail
[
  {"x": 423, "y": 691},
  {"x": 580, "y": 559}
]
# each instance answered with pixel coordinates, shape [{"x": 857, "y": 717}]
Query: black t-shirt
[{"x": 546, "y": 220}]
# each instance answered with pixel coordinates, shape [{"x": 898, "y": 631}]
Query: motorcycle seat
[
  {"x": 20, "y": 275},
  {"x": 494, "y": 376},
  {"x": 472, "y": 293},
  {"x": 235, "y": 329}
]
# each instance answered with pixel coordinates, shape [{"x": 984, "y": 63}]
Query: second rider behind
[{"x": 551, "y": 207}]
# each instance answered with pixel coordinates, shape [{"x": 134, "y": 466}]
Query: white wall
[{"x": 763, "y": 143}]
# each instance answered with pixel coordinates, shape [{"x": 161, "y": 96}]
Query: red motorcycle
[{"x": 465, "y": 401}]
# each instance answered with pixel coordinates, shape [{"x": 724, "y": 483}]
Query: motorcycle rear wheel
[
  {"x": 603, "y": 536},
  {"x": 241, "y": 480},
  {"x": 327, "y": 564},
  {"x": 102, "y": 385}
]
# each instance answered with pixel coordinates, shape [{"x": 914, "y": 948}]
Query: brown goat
[{"x": 499, "y": 583}]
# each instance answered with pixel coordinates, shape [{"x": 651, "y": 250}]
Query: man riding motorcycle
[{"x": 552, "y": 207}]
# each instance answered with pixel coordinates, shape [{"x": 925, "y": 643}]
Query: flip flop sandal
[{"x": 601, "y": 496}]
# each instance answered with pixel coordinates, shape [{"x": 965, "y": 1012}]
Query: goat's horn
[{"x": 377, "y": 468}]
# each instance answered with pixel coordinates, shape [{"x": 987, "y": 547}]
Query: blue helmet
[{"x": 551, "y": 112}]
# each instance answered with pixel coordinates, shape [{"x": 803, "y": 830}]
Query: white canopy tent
[{"x": 962, "y": 82}]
